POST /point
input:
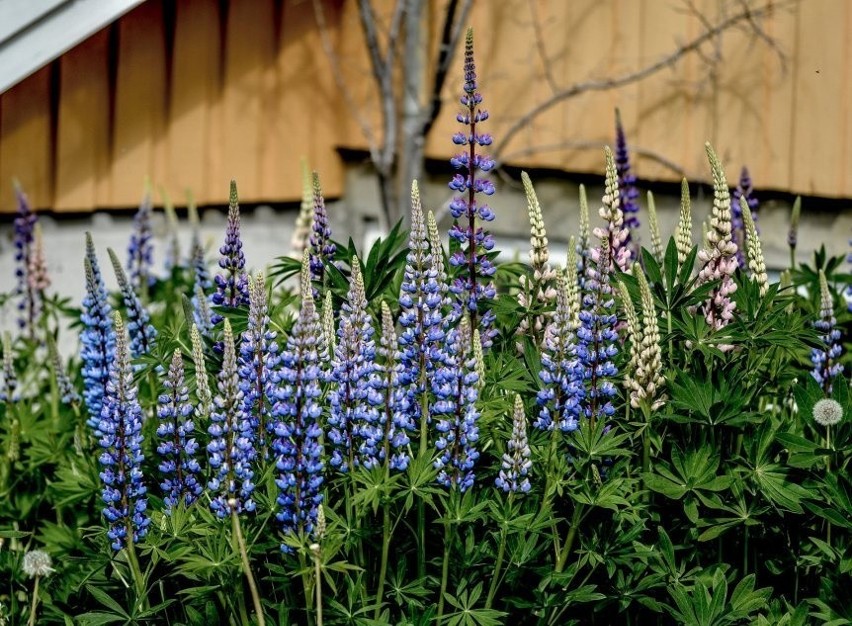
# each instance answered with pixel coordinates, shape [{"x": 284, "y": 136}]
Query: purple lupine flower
[
  {"x": 257, "y": 360},
  {"x": 232, "y": 282},
  {"x": 745, "y": 189},
  {"x": 615, "y": 232},
  {"x": 516, "y": 462},
  {"x": 474, "y": 285},
  {"x": 177, "y": 447},
  {"x": 140, "y": 250},
  {"x": 97, "y": 339},
  {"x": 561, "y": 371},
  {"x": 396, "y": 417},
  {"x": 720, "y": 255},
  {"x": 354, "y": 417},
  {"x": 24, "y": 234},
  {"x": 456, "y": 390},
  {"x": 119, "y": 433},
  {"x": 231, "y": 450},
  {"x": 421, "y": 299},
  {"x": 297, "y": 412},
  {"x": 321, "y": 247},
  {"x": 142, "y": 332},
  {"x": 826, "y": 358},
  {"x": 628, "y": 194},
  {"x": 596, "y": 337}
]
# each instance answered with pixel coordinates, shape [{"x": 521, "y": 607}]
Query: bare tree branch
[
  {"x": 619, "y": 81},
  {"x": 539, "y": 44}
]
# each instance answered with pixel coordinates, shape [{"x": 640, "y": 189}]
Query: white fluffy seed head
[
  {"x": 828, "y": 412},
  {"x": 37, "y": 563}
]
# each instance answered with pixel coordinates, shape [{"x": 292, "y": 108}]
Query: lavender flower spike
[
  {"x": 97, "y": 339},
  {"x": 353, "y": 419},
  {"x": 826, "y": 358},
  {"x": 230, "y": 451},
  {"x": 615, "y": 233},
  {"x": 321, "y": 247},
  {"x": 297, "y": 412},
  {"x": 119, "y": 432},
  {"x": 719, "y": 257},
  {"x": 516, "y": 460},
  {"x": 744, "y": 190},
  {"x": 474, "y": 285},
  {"x": 232, "y": 282},
  {"x": 142, "y": 332},
  {"x": 140, "y": 251},
  {"x": 177, "y": 447},
  {"x": 396, "y": 415},
  {"x": 628, "y": 194},
  {"x": 24, "y": 228}
]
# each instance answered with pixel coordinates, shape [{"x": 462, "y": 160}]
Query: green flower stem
[
  {"x": 32, "y": 620},
  {"x": 306, "y": 585},
  {"x": 569, "y": 540},
  {"x": 135, "y": 570},
  {"x": 554, "y": 530},
  {"x": 383, "y": 568},
  {"x": 317, "y": 554},
  {"x": 445, "y": 572},
  {"x": 241, "y": 543},
  {"x": 501, "y": 552},
  {"x": 421, "y": 506}
]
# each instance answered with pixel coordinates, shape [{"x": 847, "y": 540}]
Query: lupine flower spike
[
  {"x": 67, "y": 391},
  {"x": 37, "y": 276},
  {"x": 396, "y": 421},
  {"x": 474, "y": 285},
  {"x": 793, "y": 233},
  {"x": 202, "y": 384},
  {"x": 572, "y": 285},
  {"x": 201, "y": 314},
  {"x": 615, "y": 232},
  {"x": 540, "y": 290},
  {"x": 455, "y": 387},
  {"x": 142, "y": 332},
  {"x": 648, "y": 378},
  {"x": 177, "y": 447},
  {"x": 561, "y": 373},
  {"x": 172, "y": 231},
  {"x": 24, "y": 228},
  {"x": 230, "y": 451},
  {"x": 654, "y": 227},
  {"x": 634, "y": 334},
  {"x": 232, "y": 282},
  {"x": 302, "y": 230},
  {"x": 257, "y": 360},
  {"x": 322, "y": 249},
  {"x": 584, "y": 241},
  {"x": 297, "y": 412},
  {"x": 596, "y": 336},
  {"x": 826, "y": 359},
  {"x": 119, "y": 432},
  {"x": 140, "y": 251},
  {"x": 683, "y": 237},
  {"x": 744, "y": 190},
  {"x": 516, "y": 460},
  {"x": 353, "y": 418},
  {"x": 754, "y": 251},
  {"x": 719, "y": 257},
  {"x": 328, "y": 331},
  {"x": 10, "y": 377},
  {"x": 628, "y": 194},
  {"x": 97, "y": 339}
]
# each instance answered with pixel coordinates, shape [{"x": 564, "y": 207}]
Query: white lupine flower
[
  {"x": 683, "y": 238},
  {"x": 754, "y": 251}
]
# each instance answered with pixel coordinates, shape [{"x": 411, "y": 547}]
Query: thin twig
[{"x": 539, "y": 44}]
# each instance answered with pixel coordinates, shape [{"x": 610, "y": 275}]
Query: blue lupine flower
[
  {"x": 119, "y": 433},
  {"x": 231, "y": 449},
  {"x": 232, "y": 282},
  {"x": 354, "y": 417},
  {"x": 142, "y": 332},
  {"x": 745, "y": 189},
  {"x": 421, "y": 299},
  {"x": 561, "y": 371},
  {"x": 297, "y": 412},
  {"x": 596, "y": 337},
  {"x": 474, "y": 284},
  {"x": 321, "y": 247},
  {"x": 24, "y": 234},
  {"x": 627, "y": 192},
  {"x": 97, "y": 339},
  {"x": 177, "y": 447},
  {"x": 516, "y": 460},
  {"x": 456, "y": 391},
  {"x": 826, "y": 359},
  {"x": 395, "y": 417},
  {"x": 67, "y": 391},
  {"x": 140, "y": 251},
  {"x": 198, "y": 262},
  {"x": 257, "y": 360}
]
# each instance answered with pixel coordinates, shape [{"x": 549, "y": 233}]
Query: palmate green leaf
[
  {"x": 96, "y": 618},
  {"x": 104, "y": 598}
]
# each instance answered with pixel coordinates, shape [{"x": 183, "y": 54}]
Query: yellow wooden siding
[{"x": 248, "y": 98}]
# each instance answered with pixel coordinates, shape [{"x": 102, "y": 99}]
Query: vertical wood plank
[
  {"x": 140, "y": 104},
  {"x": 26, "y": 150},
  {"x": 82, "y": 135}
]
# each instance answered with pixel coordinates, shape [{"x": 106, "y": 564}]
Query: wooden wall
[{"x": 191, "y": 93}]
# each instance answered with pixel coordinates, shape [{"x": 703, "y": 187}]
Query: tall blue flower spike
[
  {"x": 826, "y": 359},
  {"x": 627, "y": 191},
  {"x": 119, "y": 434},
  {"x": 516, "y": 461},
  {"x": 231, "y": 449},
  {"x": 97, "y": 339},
  {"x": 140, "y": 250},
  {"x": 321, "y": 247},
  {"x": 232, "y": 281},
  {"x": 24, "y": 225},
  {"x": 297, "y": 412},
  {"x": 177, "y": 446},
  {"x": 396, "y": 417},
  {"x": 744, "y": 189},
  {"x": 474, "y": 285},
  {"x": 142, "y": 332}
]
